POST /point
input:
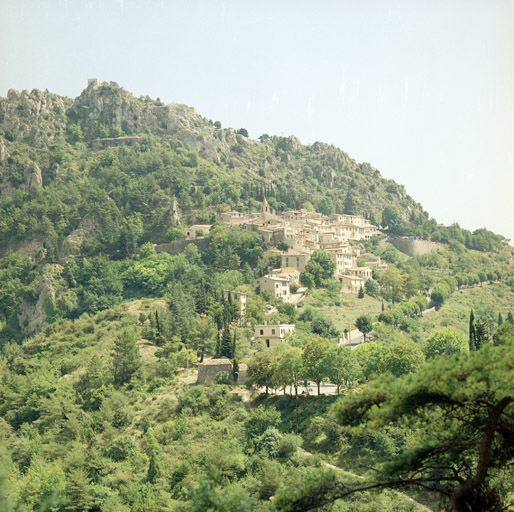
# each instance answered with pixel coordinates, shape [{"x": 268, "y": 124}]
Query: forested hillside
[{"x": 101, "y": 336}]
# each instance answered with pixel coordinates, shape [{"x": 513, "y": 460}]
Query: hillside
[
  {"x": 102, "y": 330},
  {"x": 46, "y": 141}
]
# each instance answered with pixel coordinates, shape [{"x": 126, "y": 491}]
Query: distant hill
[{"x": 139, "y": 155}]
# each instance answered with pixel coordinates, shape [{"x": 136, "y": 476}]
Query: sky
[{"x": 421, "y": 89}]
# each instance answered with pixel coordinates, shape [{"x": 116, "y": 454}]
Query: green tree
[
  {"x": 468, "y": 405},
  {"x": 349, "y": 205},
  {"x": 371, "y": 287},
  {"x": 154, "y": 469},
  {"x": 203, "y": 336},
  {"x": 289, "y": 371},
  {"x": 226, "y": 344},
  {"x": 343, "y": 366},
  {"x": 392, "y": 220},
  {"x": 315, "y": 360},
  {"x": 365, "y": 325},
  {"x": 372, "y": 358},
  {"x": 404, "y": 357},
  {"x": 321, "y": 266},
  {"x": 126, "y": 357},
  {"x": 472, "y": 332},
  {"x": 307, "y": 280},
  {"x": 235, "y": 369},
  {"x": 261, "y": 369},
  {"x": 79, "y": 492},
  {"x": 446, "y": 342},
  {"x": 393, "y": 280}
]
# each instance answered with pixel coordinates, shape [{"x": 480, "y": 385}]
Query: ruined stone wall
[
  {"x": 98, "y": 144},
  {"x": 207, "y": 371},
  {"x": 177, "y": 246}
]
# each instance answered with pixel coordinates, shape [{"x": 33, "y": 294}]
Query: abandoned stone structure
[
  {"x": 208, "y": 371},
  {"x": 115, "y": 142}
]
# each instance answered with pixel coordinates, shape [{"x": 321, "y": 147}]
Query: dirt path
[{"x": 349, "y": 473}]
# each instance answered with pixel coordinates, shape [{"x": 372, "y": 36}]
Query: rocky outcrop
[
  {"x": 111, "y": 106},
  {"x": 33, "y": 317},
  {"x": 17, "y": 176},
  {"x": 35, "y": 117},
  {"x": 71, "y": 244}
]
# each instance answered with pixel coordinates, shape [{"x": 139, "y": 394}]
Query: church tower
[{"x": 266, "y": 210}]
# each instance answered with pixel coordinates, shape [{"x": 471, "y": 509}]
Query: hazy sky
[{"x": 423, "y": 90}]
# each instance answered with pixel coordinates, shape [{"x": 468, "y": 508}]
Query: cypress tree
[
  {"x": 235, "y": 370},
  {"x": 226, "y": 343},
  {"x": 510, "y": 318},
  {"x": 472, "y": 332},
  {"x": 217, "y": 353},
  {"x": 500, "y": 319},
  {"x": 234, "y": 345},
  {"x": 154, "y": 470},
  {"x": 360, "y": 295},
  {"x": 481, "y": 334}
]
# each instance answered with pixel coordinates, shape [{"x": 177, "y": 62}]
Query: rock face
[
  {"x": 17, "y": 176},
  {"x": 71, "y": 244},
  {"x": 111, "y": 106},
  {"x": 33, "y": 317},
  {"x": 37, "y": 117}
]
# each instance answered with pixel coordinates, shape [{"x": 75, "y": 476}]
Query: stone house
[
  {"x": 352, "y": 283},
  {"x": 365, "y": 272},
  {"x": 288, "y": 273},
  {"x": 272, "y": 334},
  {"x": 294, "y": 259},
  {"x": 197, "y": 230},
  {"x": 277, "y": 286}
]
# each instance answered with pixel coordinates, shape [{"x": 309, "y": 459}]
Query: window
[
  {"x": 272, "y": 331},
  {"x": 267, "y": 343},
  {"x": 262, "y": 331}
]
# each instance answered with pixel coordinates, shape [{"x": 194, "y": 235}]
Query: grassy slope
[
  {"x": 486, "y": 301},
  {"x": 349, "y": 308}
]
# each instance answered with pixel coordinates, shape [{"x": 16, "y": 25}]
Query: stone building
[
  {"x": 238, "y": 298},
  {"x": 277, "y": 286},
  {"x": 208, "y": 371},
  {"x": 272, "y": 334}
]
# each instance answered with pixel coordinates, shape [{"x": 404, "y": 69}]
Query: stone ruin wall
[{"x": 207, "y": 371}]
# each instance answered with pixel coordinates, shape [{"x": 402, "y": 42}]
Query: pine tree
[
  {"x": 472, "y": 332},
  {"x": 226, "y": 343},
  {"x": 126, "y": 357}
]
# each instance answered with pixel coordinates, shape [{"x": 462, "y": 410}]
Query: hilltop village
[
  {"x": 299, "y": 233},
  {"x": 302, "y": 232}
]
